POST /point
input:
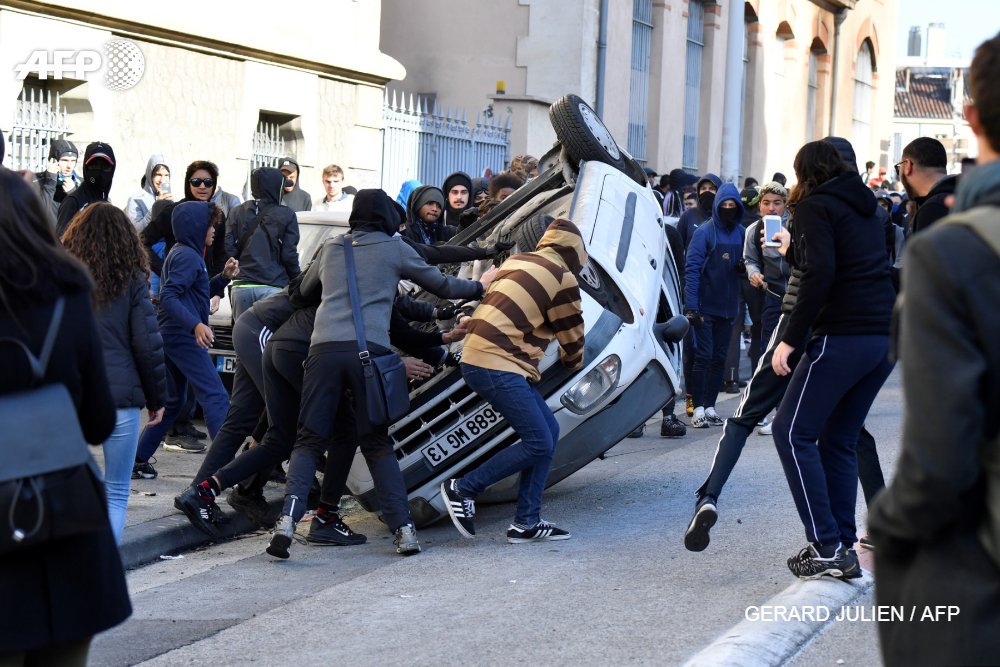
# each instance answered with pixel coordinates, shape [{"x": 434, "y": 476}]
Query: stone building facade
[
  {"x": 215, "y": 74},
  {"x": 656, "y": 71}
]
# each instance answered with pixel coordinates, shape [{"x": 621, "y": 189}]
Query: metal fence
[
  {"x": 429, "y": 143},
  {"x": 39, "y": 118},
  {"x": 268, "y": 145}
]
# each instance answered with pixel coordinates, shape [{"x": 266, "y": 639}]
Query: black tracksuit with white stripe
[{"x": 845, "y": 297}]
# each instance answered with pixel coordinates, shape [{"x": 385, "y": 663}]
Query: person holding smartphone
[
  {"x": 767, "y": 269},
  {"x": 155, "y": 187}
]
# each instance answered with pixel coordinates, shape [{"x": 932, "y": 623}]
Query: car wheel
[
  {"x": 530, "y": 232},
  {"x": 583, "y": 133}
]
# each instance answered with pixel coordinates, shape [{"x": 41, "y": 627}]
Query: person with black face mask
[
  {"x": 98, "y": 172},
  {"x": 711, "y": 295},
  {"x": 706, "y": 187}
]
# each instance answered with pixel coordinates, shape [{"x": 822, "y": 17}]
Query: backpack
[{"x": 49, "y": 484}]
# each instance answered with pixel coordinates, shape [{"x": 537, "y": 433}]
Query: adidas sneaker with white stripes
[
  {"x": 543, "y": 531},
  {"x": 462, "y": 510}
]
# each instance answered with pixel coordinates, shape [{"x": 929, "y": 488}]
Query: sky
[{"x": 967, "y": 23}]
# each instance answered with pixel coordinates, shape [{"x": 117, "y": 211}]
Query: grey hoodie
[{"x": 140, "y": 205}]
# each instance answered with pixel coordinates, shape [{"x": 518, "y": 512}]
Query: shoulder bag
[
  {"x": 387, "y": 394},
  {"x": 49, "y": 484}
]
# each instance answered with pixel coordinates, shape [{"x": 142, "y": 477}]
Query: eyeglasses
[
  {"x": 896, "y": 166},
  {"x": 198, "y": 182}
]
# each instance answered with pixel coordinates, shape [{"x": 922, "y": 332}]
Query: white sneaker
[
  {"x": 766, "y": 429},
  {"x": 698, "y": 420}
]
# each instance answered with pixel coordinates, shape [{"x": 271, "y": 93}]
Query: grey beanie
[{"x": 428, "y": 195}]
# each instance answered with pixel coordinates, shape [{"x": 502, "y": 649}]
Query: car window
[{"x": 311, "y": 237}]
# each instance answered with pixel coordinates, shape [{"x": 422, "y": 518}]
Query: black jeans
[
  {"x": 331, "y": 373},
  {"x": 711, "y": 344},
  {"x": 246, "y": 403}
]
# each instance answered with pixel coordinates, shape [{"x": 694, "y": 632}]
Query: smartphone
[
  {"x": 772, "y": 225},
  {"x": 164, "y": 187}
]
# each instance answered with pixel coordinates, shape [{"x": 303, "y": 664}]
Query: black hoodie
[
  {"x": 298, "y": 199},
  {"x": 263, "y": 234},
  {"x": 845, "y": 288},
  {"x": 96, "y": 184}
]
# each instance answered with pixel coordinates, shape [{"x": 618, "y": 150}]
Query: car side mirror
[{"x": 673, "y": 330}]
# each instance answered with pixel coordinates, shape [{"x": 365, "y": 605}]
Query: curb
[
  {"x": 774, "y": 642},
  {"x": 145, "y": 542}
]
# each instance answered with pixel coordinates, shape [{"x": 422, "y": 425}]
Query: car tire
[
  {"x": 529, "y": 233},
  {"x": 584, "y": 134}
]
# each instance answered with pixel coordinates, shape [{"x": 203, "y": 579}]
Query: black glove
[
  {"x": 694, "y": 317},
  {"x": 498, "y": 248},
  {"x": 453, "y": 359},
  {"x": 447, "y": 312}
]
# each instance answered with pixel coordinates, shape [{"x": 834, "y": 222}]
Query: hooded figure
[
  {"x": 452, "y": 215},
  {"x": 140, "y": 206},
  {"x": 295, "y": 197},
  {"x": 427, "y": 231},
  {"x": 693, "y": 218},
  {"x": 403, "y": 198},
  {"x": 98, "y": 172},
  {"x": 263, "y": 234},
  {"x": 711, "y": 275}
]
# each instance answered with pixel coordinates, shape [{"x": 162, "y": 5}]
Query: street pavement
[{"x": 622, "y": 590}]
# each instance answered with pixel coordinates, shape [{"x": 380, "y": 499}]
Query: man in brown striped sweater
[{"x": 534, "y": 298}]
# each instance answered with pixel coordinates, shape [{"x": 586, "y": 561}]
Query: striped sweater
[{"x": 534, "y": 298}]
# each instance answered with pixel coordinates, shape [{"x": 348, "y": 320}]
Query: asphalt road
[{"x": 623, "y": 590}]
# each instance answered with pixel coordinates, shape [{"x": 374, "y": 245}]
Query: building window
[
  {"x": 40, "y": 117},
  {"x": 861, "y": 125},
  {"x": 692, "y": 83},
  {"x": 276, "y": 136},
  {"x": 812, "y": 92},
  {"x": 638, "y": 103}
]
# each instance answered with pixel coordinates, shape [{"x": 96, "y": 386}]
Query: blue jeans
[
  {"x": 241, "y": 298},
  {"x": 525, "y": 411},
  {"x": 119, "y": 455}
]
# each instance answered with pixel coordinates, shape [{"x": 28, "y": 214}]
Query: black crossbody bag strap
[
  {"x": 352, "y": 291},
  {"x": 40, "y": 363}
]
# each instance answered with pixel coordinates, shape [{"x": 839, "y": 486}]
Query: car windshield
[{"x": 311, "y": 236}]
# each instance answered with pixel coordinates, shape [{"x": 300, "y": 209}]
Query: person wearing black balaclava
[
  {"x": 60, "y": 178},
  {"x": 98, "y": 172},
  {"x": 294, "y": 197},
  {"x": 712, "y": 269},
  {"x": 690, "y": 220}
]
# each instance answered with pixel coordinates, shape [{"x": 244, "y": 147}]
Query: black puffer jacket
[
  {"x": 263, "y": 234},
  {"x": 133, "y": 349}
]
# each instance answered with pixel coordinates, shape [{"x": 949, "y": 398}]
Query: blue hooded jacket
[
  {"x": 711, "y": 280},
  {"x": 185, "y": 290}
]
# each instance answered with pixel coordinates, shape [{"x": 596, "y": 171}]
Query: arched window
[{"x": 861, "y": 126}]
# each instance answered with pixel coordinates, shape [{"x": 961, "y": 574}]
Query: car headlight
[{"x": 593, "y": 387}]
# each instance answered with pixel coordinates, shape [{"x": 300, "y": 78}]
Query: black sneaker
[
  {"x": 543, "y": 531},
  {"x": 638, "y": 432},
  {"x": 189, "y": 430},
  {"x": 809, "y": 564},
  {"x": 281, "y": 538},
  {"x": 330, "y": 529},
  {"x": 183, "y": 443},
  {"x": 406, "y": 540},
  {"x": 200, "y": 511},
  {"x": 144, "y": 470},
  {"x": 672, "y": 427},
  {"x": 461, "y": 509},
  {"x": 697, "y": 537},
  {"x": 254, "y": 507},
  {"x": 713, "y": 419},
  {"x": 731, "y": 387}
]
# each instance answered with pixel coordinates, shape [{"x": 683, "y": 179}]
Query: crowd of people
[{"x": 817, "y": 292}]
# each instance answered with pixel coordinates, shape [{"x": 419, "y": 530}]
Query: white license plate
[
  {"x": 225, "y": 364},
  {"x": 464, "y": 433}
]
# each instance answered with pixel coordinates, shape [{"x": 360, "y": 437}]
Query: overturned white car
[{"x": 631, "y": 307}]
